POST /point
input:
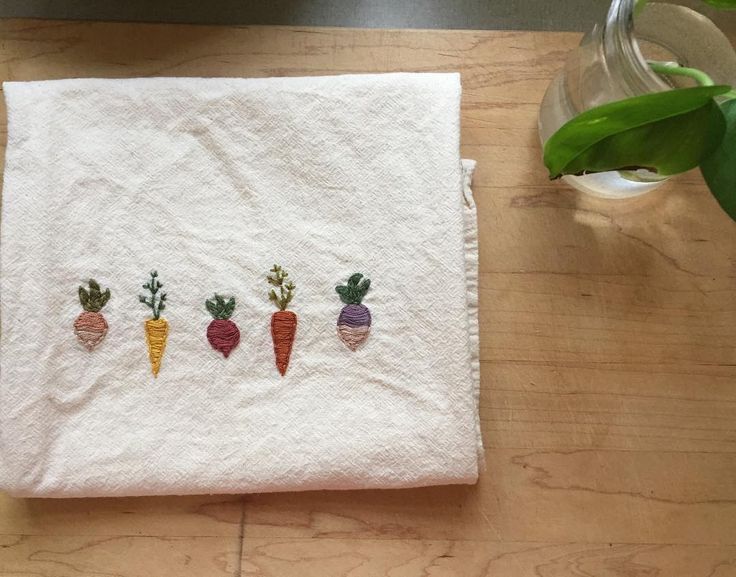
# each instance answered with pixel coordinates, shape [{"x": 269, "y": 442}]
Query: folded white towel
[{"x": 210, "y": 182}]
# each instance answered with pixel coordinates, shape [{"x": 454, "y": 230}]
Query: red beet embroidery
[
  {"x": 223, "y": 334},
  {"x": 90, "y": 326},
  {"x": 354, "y": 322}
]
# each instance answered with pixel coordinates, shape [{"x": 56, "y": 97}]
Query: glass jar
[{"x": 611, "y": 64}]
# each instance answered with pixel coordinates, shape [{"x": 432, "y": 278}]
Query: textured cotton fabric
[{"x": 210, "y": 182}]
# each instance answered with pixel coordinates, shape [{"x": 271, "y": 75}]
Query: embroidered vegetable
[
  {"x": 157, "y": 329},
  {"x": 354, "y": 322},
  {"x": 222, "y": 333},
  {"x": 283, "y": 322},
  {"x": 90, "y": 326}
]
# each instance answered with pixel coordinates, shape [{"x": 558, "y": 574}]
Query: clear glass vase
[{"x": 611, "y": 64}]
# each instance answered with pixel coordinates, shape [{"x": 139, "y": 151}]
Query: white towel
[{"x": 210, "y": 182}]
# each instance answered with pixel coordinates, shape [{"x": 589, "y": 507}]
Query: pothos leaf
[
  {"x": 719, "y": 169},
  {"x": 666, "y": 132},
  {"x": 723, "y": 4}
]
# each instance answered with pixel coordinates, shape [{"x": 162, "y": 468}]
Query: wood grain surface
[{"x": 608, "y": 344}]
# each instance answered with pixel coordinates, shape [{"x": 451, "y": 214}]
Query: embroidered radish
[
  {"x": 157, "y": 329},
  {"x": 283, "y": 322},
  {"x": 90, "y": 326},
  {"x": 222, "y": 333},
  {"x": 354, "y": 322}
]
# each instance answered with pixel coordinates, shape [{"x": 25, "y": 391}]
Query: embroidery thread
[
  {"x": 90, "y": 326},
  {"x": 222, "y": 333},
  {"x": 157, "y": 329},
  {"x": 354, "y": 322},
  {"x": 283, "y": 322}
]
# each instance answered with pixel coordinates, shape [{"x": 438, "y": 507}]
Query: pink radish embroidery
[
  {"x": 90, "y": 326},
  {"x": 354, "y": 322},
  {"x": 223, "y": 334}
]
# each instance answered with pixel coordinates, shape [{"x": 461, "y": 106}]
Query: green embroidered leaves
[
  {"x": 219, "y": 308},
  {"x": 155, "y": 303},
  {"x": 277, "y": 278},
  {"x": 355, "y": 290},
  {"x": 93, "y": 299}
]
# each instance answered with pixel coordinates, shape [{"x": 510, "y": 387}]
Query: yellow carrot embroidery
[{"x": 157, "y": 328}]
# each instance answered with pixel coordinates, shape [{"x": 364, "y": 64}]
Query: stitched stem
[
  {"x": 674, "y": 69},
  {"x": 155, "y": 303},
  {"x": 277, "y": 278}
]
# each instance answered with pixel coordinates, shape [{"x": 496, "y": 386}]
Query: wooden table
[{"x": 608, "y": 343}]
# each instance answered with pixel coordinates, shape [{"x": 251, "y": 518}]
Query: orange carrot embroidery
[
  {"x": 157, "y": 329},
  {"x": 283, "y": 322},
  {"x": 90, "y": 326}
]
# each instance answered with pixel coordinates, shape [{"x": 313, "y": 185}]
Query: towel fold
[{"x": 209, "y": 182}]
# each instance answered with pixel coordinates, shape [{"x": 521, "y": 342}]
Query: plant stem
[{"x": 674, "y": 69}]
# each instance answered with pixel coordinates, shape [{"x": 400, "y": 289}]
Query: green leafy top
[
  {"x": 219, "y": 308},
  {"x": 720, "y": 4},
  {"x": 277, "y": 278},
  {"x": 719, "y": 169},
  {"x": 666, "y": 132},
  {"x": 93, "y": 300},
  {"x": 723, "y": 4},
  {"x": 155, "y": 303},
  {"x": 355, "y": 290}
]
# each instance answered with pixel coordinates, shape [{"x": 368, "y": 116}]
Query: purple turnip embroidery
[{"x": 354, "y": 322}]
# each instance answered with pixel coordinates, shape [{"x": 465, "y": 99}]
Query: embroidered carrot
[
  {"x": 222, "y": 333},
  {"x": 157, "y": 329},
  {"x": 90, "y": 326},
  {"x": 283, "y": 322},
  {"x": 354, "y": 322}
]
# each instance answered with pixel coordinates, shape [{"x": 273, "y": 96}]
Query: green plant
[{"x": 664, "y": 132}]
